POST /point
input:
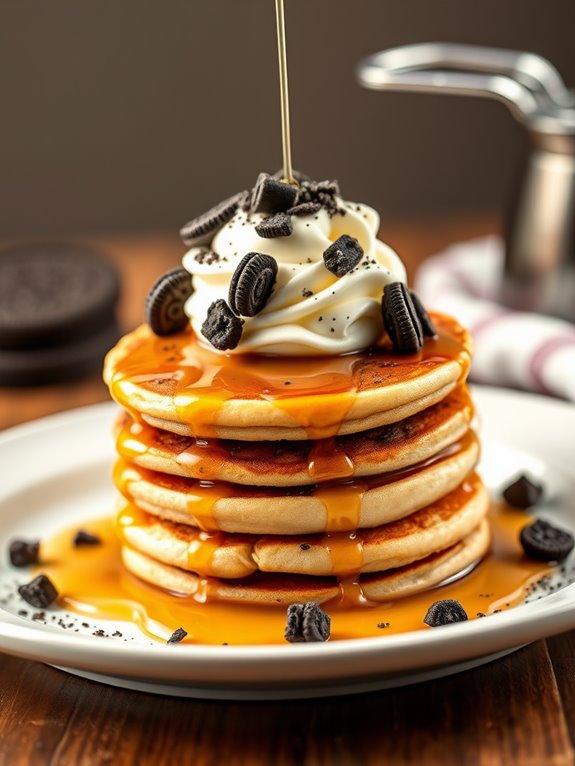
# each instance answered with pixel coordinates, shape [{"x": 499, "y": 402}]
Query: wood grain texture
[{"x": 518, "y": 710}]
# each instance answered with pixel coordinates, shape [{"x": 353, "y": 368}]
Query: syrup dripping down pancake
[
  {"x": 327, "y": 507},
  {"x": 283, "y": 589},
  {"x": 295, "y": 463},
  {"x": 397, "y": 544},
  {"x": 180, "y": 386}
]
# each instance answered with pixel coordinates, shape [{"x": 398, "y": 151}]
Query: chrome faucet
[{"x": 540, "y": 233}]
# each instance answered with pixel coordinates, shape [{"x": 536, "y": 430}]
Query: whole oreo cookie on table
[
  {"x": 400, "y": 319},
  {"x": 57, "y": 312},
  {"x": 165, "y": 303},
  {"x": 222, "y": 327},
  {"x": 252, "y": 284}
]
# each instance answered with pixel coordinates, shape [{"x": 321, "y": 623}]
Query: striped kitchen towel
[{"x": 512, "y": 348}]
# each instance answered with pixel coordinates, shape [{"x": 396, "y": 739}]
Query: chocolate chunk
[
  {"x": 252, "y": 284},
  {"x": 222, "y": 327},
  {"x": 400, "y": 319},
  {"x": 272, "y": 196},
  {"x": 278, "y": 225},
  {"x": 200, "y": 230},
  {"x": 85, "y": 538},
  {"x": 166, "y": 300},
  {"x": 523, "y": 492},
  {"x": 444, "y": 613},
  {"x": 343, "y": 255},
  {"x": 306, "y": 623},
  {"x": 324, "y": 193},
  {"x": 23, "y": 553},
  {"x": 306, "y": 208},
  {"x": 427, "y": 327},
  {"x": 544, "y": 542},
  {"x": 40, "y": 592},
  {"x": 178, "y": 635}
]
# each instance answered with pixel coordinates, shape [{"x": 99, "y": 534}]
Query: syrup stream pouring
[{"x": 540, "y": 235}]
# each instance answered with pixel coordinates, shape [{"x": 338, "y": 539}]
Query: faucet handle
[{"x": 527, "y": 83}]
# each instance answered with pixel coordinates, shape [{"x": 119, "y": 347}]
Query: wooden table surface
[{"x": 518, "y": 710}]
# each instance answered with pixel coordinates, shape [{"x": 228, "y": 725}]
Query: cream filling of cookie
[{"x": 310, "y": 311}]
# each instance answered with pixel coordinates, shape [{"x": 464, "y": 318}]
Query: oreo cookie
[
  {"x": 222, "y": 327},
  {"x": 200, "y": 230},
  {"x": 271, "y": 195},
  {"x": 306, "y": 623},
  {"x": 544, "y": 542},
  {"x": 252, "y": 284},
  {"x": 40, "y": 592},
  {"x": 523, "y": 492},
  {"x": 343, "y": 255},
  {"x": 445, "y": 612},
  {"x": 83, "y": 539},
  {"x": 323, "y": 193},
  {"x": 427, "y": 327},
  {"x": 278, "y": 225},
  {"x": 400, "y": 319},
  {"x": 57, "y": 312},
  {"x": 305, "y": 208},
  {"x": 164, "y": 310}
]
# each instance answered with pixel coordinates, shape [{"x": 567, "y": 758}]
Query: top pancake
[{"x": 180, "y": 386}]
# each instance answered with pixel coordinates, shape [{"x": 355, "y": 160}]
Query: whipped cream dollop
[{"x": 310, "y": 311}]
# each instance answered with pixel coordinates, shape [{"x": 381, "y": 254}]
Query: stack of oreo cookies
[{"x": 57, "y": 313}]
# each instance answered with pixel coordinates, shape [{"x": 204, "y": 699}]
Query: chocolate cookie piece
[
  {"x": 52, "y": 294},
  {"x": 306, "y": 623},
  {"x": 305, "y": 208},
  {"x": 343, "y": 255},
  {"x": 200, "y": 230},
  {"x": 83, "y": 538},
  {"x": 400, "y": 319},
  {"x": 222, "y": 327},
  {"x": 165, "y": 303},
  {"x": 252, "y": 284},
  {"x": 178, "y": 635},
  {"x": 544, "y": 542},
  {"x": 445, "y": 612},
  {"x": 278, "y": 225},
  {"x": 40, "y": 592},
  {"x": 523, "y": 492},
  {"x": 24, "y": 553},
  {"x": 272, "y": 196}
]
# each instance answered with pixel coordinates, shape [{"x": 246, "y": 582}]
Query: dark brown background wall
[{"x": 135, "y": 114}]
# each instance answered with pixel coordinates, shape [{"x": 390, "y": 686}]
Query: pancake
[
  {"x": 281, "y": 590},
  {"x": 331, "y": 506},
  {"x": 284, "y": 464},
  {"x": 397, "y": 544},
  {"x": 185, "y": 388}
]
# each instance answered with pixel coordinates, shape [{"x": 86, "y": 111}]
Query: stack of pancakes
[{"x": 241, "y": 492}]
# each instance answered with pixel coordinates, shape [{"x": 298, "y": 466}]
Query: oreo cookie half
[
  {"x": 165, "y": 303},
  {"x": 400, "y": 319},
  {"x": 278, "y": 225},
  {"x": 252, "y": 284},
  {"x": 200, "y": 230},
  {"x": 445, "y": 612}
]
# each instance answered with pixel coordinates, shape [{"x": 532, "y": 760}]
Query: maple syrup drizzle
[
  {"x": 314, "y": 393},
  {"x": 92, "y": 582}
]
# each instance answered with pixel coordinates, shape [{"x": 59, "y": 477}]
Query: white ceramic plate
[{"x": 57, "y": 470}]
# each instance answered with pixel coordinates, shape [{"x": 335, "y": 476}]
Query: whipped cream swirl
[{"x": 311, "y": 311}]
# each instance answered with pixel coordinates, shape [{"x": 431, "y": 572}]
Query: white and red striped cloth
[{"x": 512, "y": 348}]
